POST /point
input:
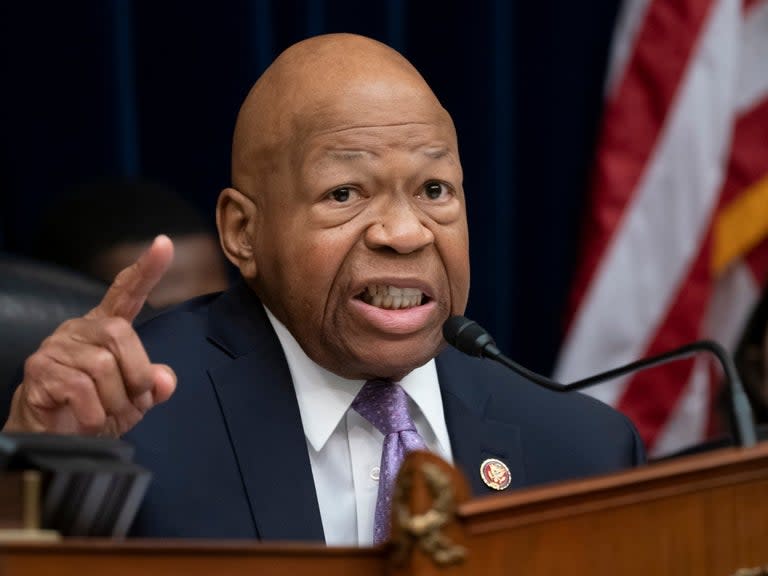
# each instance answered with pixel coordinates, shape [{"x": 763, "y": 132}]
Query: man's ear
[{"x": 235, "y": 219}]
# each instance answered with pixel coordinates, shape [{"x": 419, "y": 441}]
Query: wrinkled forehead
[
  {"x": 372, "y": 103},
  {"x": 331, "y": 85}
]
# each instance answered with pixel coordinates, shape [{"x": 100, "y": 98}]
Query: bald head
[{"x": 329, "y": 82}]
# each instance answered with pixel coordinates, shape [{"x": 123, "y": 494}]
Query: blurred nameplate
[{"x": 85, "y": 486}]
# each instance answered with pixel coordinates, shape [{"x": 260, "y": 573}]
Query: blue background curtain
[{"x": 151, "y": 88}]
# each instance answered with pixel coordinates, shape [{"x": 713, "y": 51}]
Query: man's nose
[{"x": 398, "y": 225}]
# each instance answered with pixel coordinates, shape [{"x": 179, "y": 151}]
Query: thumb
[
  {"x": 127, "y": 294},
  {"x": 163, "y": 380}
]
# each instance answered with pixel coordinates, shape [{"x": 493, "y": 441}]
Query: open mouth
[{"x": 392, "y": 297}]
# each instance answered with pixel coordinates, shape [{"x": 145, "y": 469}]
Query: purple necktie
[{"x": 385, "y": 405}]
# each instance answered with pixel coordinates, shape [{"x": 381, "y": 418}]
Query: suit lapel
[
  {"x": 258, "y": 403},
  {"x": 259, "y": 406},
  {"x": 474, "y": 437}
]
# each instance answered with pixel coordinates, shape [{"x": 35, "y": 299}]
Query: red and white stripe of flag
[{"x": 665, "y": 260}]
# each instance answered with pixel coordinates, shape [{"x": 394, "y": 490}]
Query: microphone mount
[{"x": 469, "y": 337}]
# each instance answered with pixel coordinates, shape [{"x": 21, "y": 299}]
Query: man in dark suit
[{"x": 347, "y": 221}]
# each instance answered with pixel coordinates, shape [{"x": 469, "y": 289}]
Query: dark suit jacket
[{"x": 228, "y": 452}]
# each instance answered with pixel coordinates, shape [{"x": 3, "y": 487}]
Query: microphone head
[{"x": 467, "y": 336}]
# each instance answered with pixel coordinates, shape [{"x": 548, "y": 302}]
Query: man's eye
[
  {"x": 434, "y": 190},
  {"x": 340, "y": 194}
]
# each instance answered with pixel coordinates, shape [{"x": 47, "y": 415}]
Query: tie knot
[{"x": 385, "y": 405}]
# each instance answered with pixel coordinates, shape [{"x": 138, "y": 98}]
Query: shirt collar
[{"x": 325, "y": 397}]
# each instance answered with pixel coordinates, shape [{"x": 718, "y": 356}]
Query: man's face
[{"x": 361, "y": 239}]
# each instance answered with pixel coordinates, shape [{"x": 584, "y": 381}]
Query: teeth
[{"x": 391, "y": 297}]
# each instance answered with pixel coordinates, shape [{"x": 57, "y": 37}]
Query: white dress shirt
[{"x": 344, "y": 448}]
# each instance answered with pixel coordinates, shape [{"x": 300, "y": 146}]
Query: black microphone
[{"x": 469, "y": 337}]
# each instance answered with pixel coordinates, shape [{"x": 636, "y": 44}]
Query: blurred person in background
[
  {"x": 751, "y": 361},
  {"x": 751, "y": 358},
  {"x": 102, "y": 227}
]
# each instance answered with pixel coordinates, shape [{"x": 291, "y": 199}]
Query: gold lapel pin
[{"x": 495, "y": 474}]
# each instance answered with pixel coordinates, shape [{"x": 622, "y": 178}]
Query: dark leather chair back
[{"x": 35, "y": 297}]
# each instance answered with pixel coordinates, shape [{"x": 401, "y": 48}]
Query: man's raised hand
[{"x": 92, "y": 375}]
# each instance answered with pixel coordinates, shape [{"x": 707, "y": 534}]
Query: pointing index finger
[{"x": 130, "y": 289}]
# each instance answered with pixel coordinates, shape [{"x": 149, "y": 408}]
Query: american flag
[{"x": 675, "y": 244}]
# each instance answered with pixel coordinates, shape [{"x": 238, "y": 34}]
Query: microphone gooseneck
[{"x": 469, "y": 337}]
